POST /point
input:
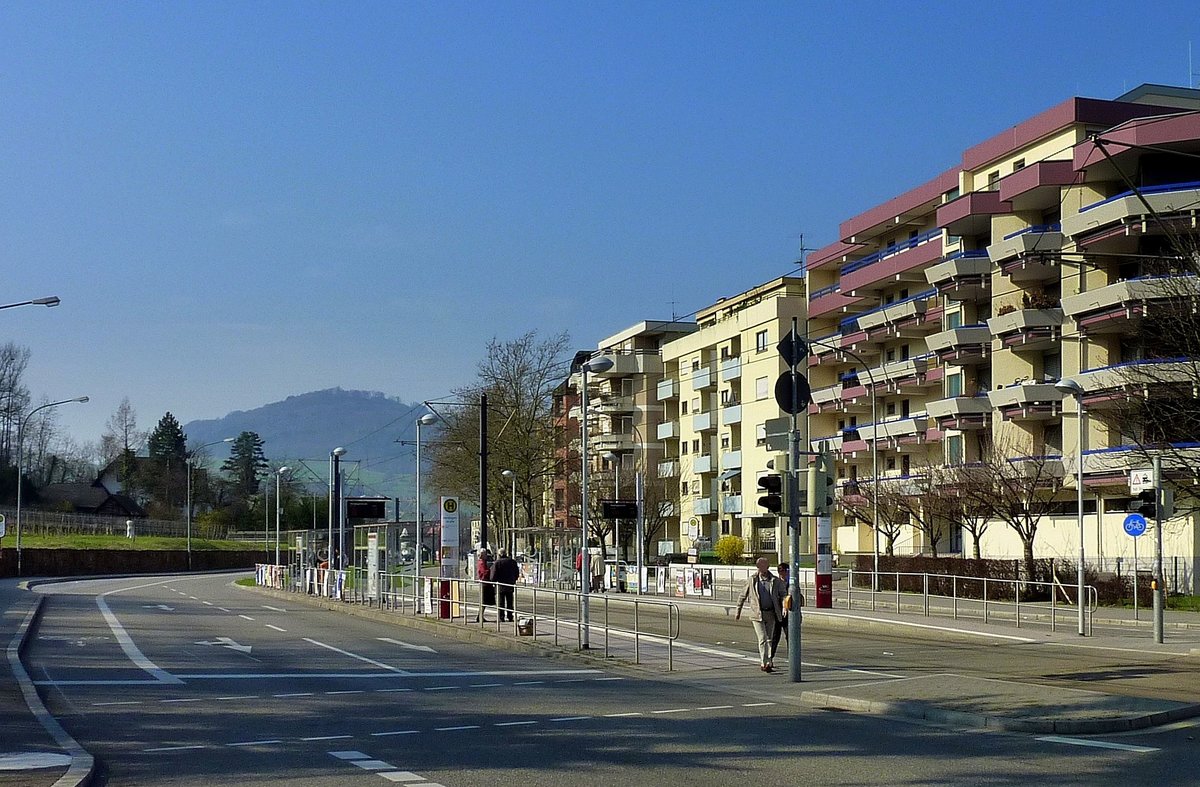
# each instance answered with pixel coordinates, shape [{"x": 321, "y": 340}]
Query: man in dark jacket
[
  {"x": 505, "y": 574},
  {"x": 483, "y": 572}
]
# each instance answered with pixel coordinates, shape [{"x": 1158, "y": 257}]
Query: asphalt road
[{"x": 190, "y": 681}]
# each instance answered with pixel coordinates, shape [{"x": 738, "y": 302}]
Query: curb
[
  {"x": 912, "y": 709},
  {"x": 83, "y": 764}
]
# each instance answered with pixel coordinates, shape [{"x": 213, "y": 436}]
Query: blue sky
[{"x": 240, "y": 201}]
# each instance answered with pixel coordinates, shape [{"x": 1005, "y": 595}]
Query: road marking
[
  {"x": 295, "y": 694},
  {"x": 1097, "y": 744},
  {"x": 349, "y": 755},
  {"x": 372, "y": 765},
  {"x": 255, "y": 743},
  {"x": 163, "y": 607},
  {"x": 484, "y": 685},
  {"x": 572, "y": 718},
  {"x": 455, "y": 729},
  {"x": 246, "y": 617},
  {"x": 127, "y": 644},
  {"x": 620, "y": 715},
  {"x": 572, "y": 680},
  {"x": 226, "y": 642},
  {"x": 276, "y": 628},
  {"x": 356, "y": 656},
  {"x": 193, "y": 598},
  {"x": 408, "y": 645},
  {"x": 394, "y": 732},
  {"x": 122, "y": 702},
  {"x": 672, "y": 710},
  {"x": 240, "y": 697},
  {"x": 600, "y": 679},
  {"x": 395, "y": 672},
  {"x": 439, "y": 688},
  {"x": 173, "y": 748},
  {"x": 189, "y": 699},
  {"x": 349, "y": 691},
  {"x": 388, "y": 691},
  {"x": 513, "y": 723},
  {"x": 207, "y": 603},
  {"x": 273, "y": 609},
  {"x": 756, "y": 704},
  {"x": 528, "y": 682},
  {"x": 408, "y": 776},
  {"x": 327, "y": 738},
  {"x": 715, "y": 707},
  {"x": 223, "y": 609}
]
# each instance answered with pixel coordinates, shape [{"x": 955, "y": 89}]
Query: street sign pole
[
  {"x": 1158, "y": 550},
  {"x": 1135, "y": 525}
]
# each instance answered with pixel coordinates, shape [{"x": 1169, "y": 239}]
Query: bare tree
[
  {"x": 967, "y": 485},
  {"x": 859, "y": 503},
  {"x": 14, "y": 397},
  {"x": 928, "y": 503},
  {"x": 121, "y": 435}
]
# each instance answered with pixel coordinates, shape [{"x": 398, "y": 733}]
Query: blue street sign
[{"x": 1135, "y": 525}]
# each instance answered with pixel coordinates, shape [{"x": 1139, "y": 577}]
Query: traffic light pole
[
  {"x": 1158, "y": 550},
  {"x": 792, "y": 480}
]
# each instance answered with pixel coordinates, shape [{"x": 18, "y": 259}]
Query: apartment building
[
  {"x": 717, "y": 392},
  {"x": 942, "y": 318}
]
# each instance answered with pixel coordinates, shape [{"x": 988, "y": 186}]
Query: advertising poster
[
  {"x": 448, "y": 557},
  {"x": 373, "y": 565}
]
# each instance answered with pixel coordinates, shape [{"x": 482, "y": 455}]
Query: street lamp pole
[
  {"x": 278, "y": 475},
  {"x": 1073, "y": 388},
  {"x": 597, "y": 364},
  {"x": 191, "y": 455},
  {"x": 21, "y": 457},
  {"x": 53, "y": 300},
  {"x": 334, "y": 455},
  {"x": 424, "y": 420}
]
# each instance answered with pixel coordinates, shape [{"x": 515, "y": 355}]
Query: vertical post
[
  {"x": 278, "y": 475},
  {"x": 329, "y": 541},
  {"x": 1135, "y": 579},
  {"x": 585, "y": 566},
  {"x": 417, "y": 533},
  {"x": 791, "y": 479},
  {"x": 1158, "y": 550},
  {"x": 189, "y": 513},
  {"x": 1079, "y": 580},
  {"x": 639, "y": 482},
  {"x": 483, "y": 469},
  {"x": 337, "y": 501}
]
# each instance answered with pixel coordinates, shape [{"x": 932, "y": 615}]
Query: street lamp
[
  {"x": 20, "y": 458},
  {"x": 600, "y": 363},
  {"x": 191, "y": 455},
  {"x": 335, "y": 501},
  {"x": 51, "y": 301},
  {"x": 1073, "y": 388},
  {"x": 509, "y": 475},
  {"x": 278, "y": 475},
  {"x": 425, "y": 420}
]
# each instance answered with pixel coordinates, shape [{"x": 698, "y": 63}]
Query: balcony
[
  {"x": 630, "y": 362},
  {"x": 827, "y": 396},
  {"x": 703, "y": 506},
  {"x": 963, "y": 346},
  {"x": 900, "y": 433},
  {"x": 1117, "y": 461},
  {"x": 732, "y": 504},
  {"x": 1028, "y": 329},
  {"x": 668, "y": 469},
  {"x": 702, "y": 464},
  {"x": 833, "y": 443},
  {"x": 731, "y": 460},
  {"x": 961, "y": 412},
  {"x": 964, "y": 276},
  {"x": 668, "y": 430},
  {"x": 971, "y": 214},
  {"x": 703, "y": 378},
  {"x": 1027, "y": 401},
  {"x": 731, "y": 369},
  {"x": 703, "y": 422},
  {"x": 613, "y": 441},
  {"x": 1047, "y": 467},
  {"x": 668, "y": 389},
  {"x": 1037, "y": 186},
  {"x": 1111, "y": 309},
  {"x": 898, "y": 374},
  {"x": 1125, "y": 213},
  {"x": 1112, "y": 386},
  {"x": 1028, "y": 254},
  {"x": 606, "y": 403},
  {"x": 731, "y": 415},
  {"x": 904, "y": 318},
  {"x": 900, "y": 262}
]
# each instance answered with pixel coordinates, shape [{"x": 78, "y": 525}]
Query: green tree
[
  {"x": 164, "y": 473},
  {"x": 729, "y": 549},
  {"x": 246, "y": 465}
]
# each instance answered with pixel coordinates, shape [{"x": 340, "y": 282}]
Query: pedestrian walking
[
  {"x": 765, "y": 594},
  {"x": 483, "y": 572},
  {"x": 505, "y": 573},
  {"x": 783, "y": 571}
]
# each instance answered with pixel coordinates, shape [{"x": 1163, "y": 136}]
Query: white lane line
[
  {"x": 122, "y": 702},
  {"x": 513, "y": 723},
  {"x": 407, "y": 645},
  {"x": 600, "y": 679},
  {"x": 193, "y": 598},
  {"x": 620, "y": 715},
  {"x": 276, "y": 628},
  {"x": 407, "y": 776},
  {"x": 207, "y": 603},
  {"x": 127, "y": 644},
  {"x": 389, "y": 691},
  {"x": 245, "y": 617},
  {"x": 189, "y": 699},
  {"x": 1097, "y": 744},
  {"x": 356, "y": 656},
  {"x": 327, "y": 738},
  {"x": 484, "y": 685},
  {"x": 573, "y": 680},
  {"x": 394, "y": 732},
  {"x": 572, "y": 718},
  {"x": 528, "y": 682},
  {"x": 715, "y": 707},
  {"x": 455, "y": 729},
  {"x": 295, "y": 694},
  {"x": 273, "y": 609},
  {"x": 756, "y": 704},
  {"x": 348, "y": 691},
  {"x": 173, "y": 748},
  {"x": 672, "y": 710},
  {"x": 240, "y": 697},
  {"x": 349, "y": 755},
  {"x": 223, "y": 609},
  {"x": 256, "y": 743},
  {"x": 372, "y": 765},
  {"x": 439, "y": 688}
]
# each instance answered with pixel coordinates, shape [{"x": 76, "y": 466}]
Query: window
[
  {"x": 891, "y": 408},
  {"x": 954, "y": 386},
  {"x": 1018, "y": 164},
  {"x": 904, "y": 352},
  {"x": 891, "y": 355},
  {"x": 951, "y": 195},
  {"x": 724, "y": 527},
  {"x": 954, "y": 449},
  {"x": 954, "y": 319},
  {"x": 760, "y": 434},
  {"x": 762, "y": 386},
  {"x": 905, "y": 464},
  {"x": 695, "y": 446},
  {"x": 891, "y": 463},
  {"x": 993, "y": 180},
  {"x": 696, "y": 405},
  {"x": 683, "y": 407},
  {"x": 904, "y": 411},
  {"x": 760, "y": 341}
]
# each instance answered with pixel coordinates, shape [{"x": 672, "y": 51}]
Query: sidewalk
[{"x": 35, "y": 749}]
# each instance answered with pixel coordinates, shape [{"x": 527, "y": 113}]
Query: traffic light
[
  {"x": 771, "y": 485},
  {"x": 1149, "y": 506},
  {"x": 820, "y": 484}
]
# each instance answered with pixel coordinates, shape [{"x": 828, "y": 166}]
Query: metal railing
[
  {"x": 977, "y": 597},
  {"x": 538, "y": 612}
]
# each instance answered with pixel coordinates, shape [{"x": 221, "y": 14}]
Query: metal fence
[
  {"x": 969, "y": 597},
  {"x": 628, "y": 626},
  {"x": 34, "y": 521}
]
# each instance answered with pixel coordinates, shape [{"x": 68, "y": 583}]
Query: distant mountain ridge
[{"x": 302, "y": 430}]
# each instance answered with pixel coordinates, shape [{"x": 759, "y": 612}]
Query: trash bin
[{"x": 525, "y": 627}]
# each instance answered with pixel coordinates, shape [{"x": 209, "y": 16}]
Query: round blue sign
[{"x": 1135, "y": 525}]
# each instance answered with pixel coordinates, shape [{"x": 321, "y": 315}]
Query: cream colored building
[{"x": 717, "y": 393}]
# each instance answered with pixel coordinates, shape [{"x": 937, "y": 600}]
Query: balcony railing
[
  {"x": 702, "y": 422},
  {"x": 731, "y": 415},
  {"x": 1116, "y": 303},
  {"x": 702, "y": 506},
  {"x": 732, "y": 504},
  {"x": 668, "y": 389},
  {"x": 1171, "y": 198},
  {"x": 703, "y": 378},
  {"x": 831, "y": 289},
  {"x": 962, "y": 275},
  {"x": 668, "y": 469},
  {"x": 668, "y": 430},
  {"x": 731, "y": 460},
  {"x": 702, "y": 464},
  {"x": 911, "y": 307},
  {"x": 1027, "y": 401},
  {"x": 731, "y": 369},
  {"x": 891, "y": 251}
]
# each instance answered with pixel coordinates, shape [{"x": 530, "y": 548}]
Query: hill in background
[{"x": 300, "y": 431}]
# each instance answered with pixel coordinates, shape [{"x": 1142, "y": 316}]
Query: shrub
[{"x": 729, "y": 549}]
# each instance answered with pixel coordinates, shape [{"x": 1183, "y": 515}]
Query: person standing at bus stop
[
  {"x": 765, "y": 594},
  {"x": 505, "y": 574},
  {"x": 483, "y": 572}
]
